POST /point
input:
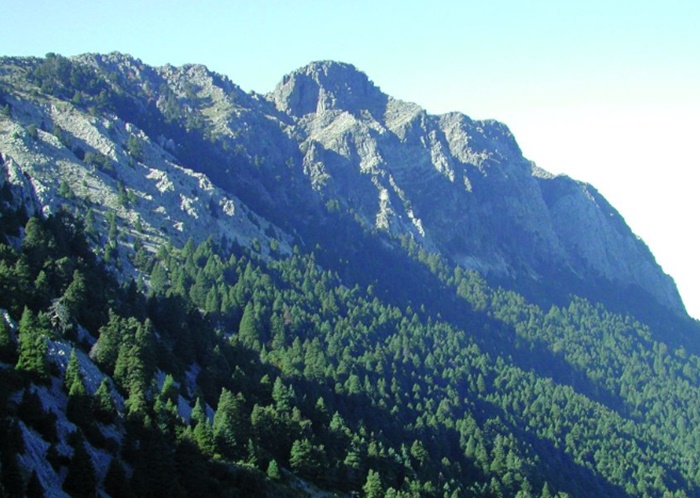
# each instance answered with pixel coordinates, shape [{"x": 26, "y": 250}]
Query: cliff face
[{"x": 183, "y": 152}]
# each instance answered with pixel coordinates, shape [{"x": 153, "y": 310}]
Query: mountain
[
  {"x": 328, "y": 136},
  {"x": 357, "y": 295}
]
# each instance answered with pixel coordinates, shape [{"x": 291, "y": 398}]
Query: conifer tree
[
  {"x": 252, "y": 452},
  {"x": 41, "y": 296},
  {"x": 72, "y": 373},
  {"x": 198, "y": 415},
  {"x": 78, "y": 408},
  {"x": 169, "y": 390},
  {"x": 80, "y": 480},
  {"x": 306, "y": 459},
  {"x": 116, "y": 482},
  {"x": 106, "y": 349},
  {"x": 32, "y": 346},
  {"x": 273, "y": 471},
  {"x": 35, "y": 243},
  {"x": 203, "y": 435},
  {"x": 103, "y": 403},
  {"x": 159, "y": 278},
  {"x": 373, "y": 485},
  {"x": 230, "y": 424},
  {"x": 75, "y": 297},
  {"x": 8, "y": 346}
]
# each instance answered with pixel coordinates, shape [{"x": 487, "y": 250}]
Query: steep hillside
[{"x": 208, "y": 292}]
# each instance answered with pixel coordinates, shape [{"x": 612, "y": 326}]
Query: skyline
[{"x": 606, "y": 94}]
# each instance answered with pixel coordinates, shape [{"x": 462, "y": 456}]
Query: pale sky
[{"x": 607, "y": 92}]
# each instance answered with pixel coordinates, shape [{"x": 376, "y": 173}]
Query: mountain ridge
[{"x": 327, "y": 133}]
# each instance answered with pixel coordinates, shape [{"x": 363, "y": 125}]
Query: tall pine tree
[{"x": 32, "y": 346}]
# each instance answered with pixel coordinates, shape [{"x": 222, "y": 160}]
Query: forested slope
[{"x": 279, "y": 361}]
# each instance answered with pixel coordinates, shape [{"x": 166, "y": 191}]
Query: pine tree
[
  {"x": 198, "y": 415},
  {"x": 203, "y": 435},
  {"x": 78, "y": 408},
  {"x": 103, "y": 404},
  {"x": 106, "y": 349},
  {"x": 545, "y": 491},
  {"x": 80, "y": 480},
  {"x": 35, "y": 243},
  {"x": 8, "y": 346},
  {"x": 72, "y": 373},
  {"x": 41, "y": 297},
  {"x": 159, "y": 279},
  {"x": 146, "y": 349},
  {"x": 230, "y": 425},
  {"x": 169, "y": 390},
  {"x": 306, "y": 459},
  {"x": 273, "y": 471},
  {"x": 116, "y": 482},
  {"x": 32, "y": 346},
  {"x": 252, "y": 452},
  {"x": 75, "y": 297},
  {"x": 136, "y": 404},
  {"x": 282, "y": 395},
  {"x": 373, "y": 485},
  {"x": 248, "y": 329}
]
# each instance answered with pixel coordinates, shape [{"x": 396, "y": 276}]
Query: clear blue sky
[{"x": 605, "y": 91}]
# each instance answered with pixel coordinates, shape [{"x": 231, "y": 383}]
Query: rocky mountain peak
[{"x": 325, "y": 85}]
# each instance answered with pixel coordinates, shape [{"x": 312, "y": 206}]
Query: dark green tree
[
  {"x": 203, "y": 435},
  {"x": 373, "y": 487},
  {"x": 106, "y": 349},
  {"x": 79, "y": 407},
  {"x": 307, "y": 459},
  {"x": 8, "y": 345},
  {"x": 75, "y": 298},
  {"x": 248, "y": 330},
  {"x": 72, "y": 373},
  {"x": 80, "y": 480},
  {"x": 168, "y": 391},
  {"x": 36, "y": 244},
  {"x": 116, "y": 482},
  {"x": 103, "y": 405},
  {"x": 230, "y": 425},
  {"x": 32, "y": 346},
  {"x": 134, "y": 147},
  {"x": 273, "y": 471},
  {"x": 198, "y": 414}
]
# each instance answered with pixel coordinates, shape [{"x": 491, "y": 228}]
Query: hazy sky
[{"x": 607, "y": 92}]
